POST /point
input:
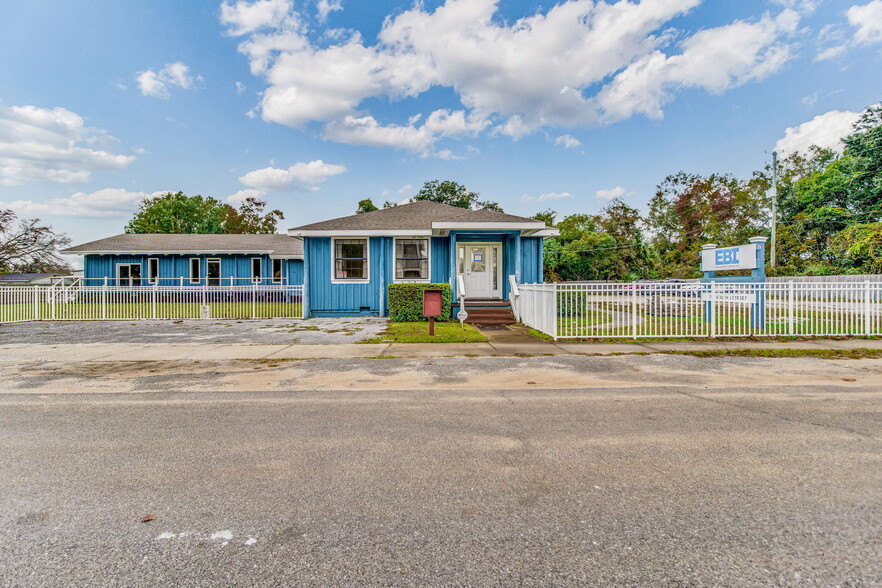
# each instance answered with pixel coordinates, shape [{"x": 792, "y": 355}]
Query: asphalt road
[{"x": 677, "y": 484}]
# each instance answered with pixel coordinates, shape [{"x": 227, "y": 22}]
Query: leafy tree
[
  {"x": 689, "y": 210},
  {"x": 864, "y": 150},
  {"x": 453, "y": 194},
  {"x": 30, "y": 246},
  {"x": 251, "y": 218},
  {"x": 365, "y": 205},
  {"x": 546, "y": 216},
  {"x": 859, "y": 248},
  {"x": 179, "y": 213}
]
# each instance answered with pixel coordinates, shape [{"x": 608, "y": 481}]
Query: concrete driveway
[
  {"x": 314, "y": 331},
  {"x": 642, "y": 471}
]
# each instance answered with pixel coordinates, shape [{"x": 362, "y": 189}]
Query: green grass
[
  {"x": 419, "y": 333},
  {"x": 146, "y": 310}
]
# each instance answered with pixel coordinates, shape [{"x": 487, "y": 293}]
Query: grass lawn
[
  {"x": 148, "y": 310},
  {"x": 451, "y": 332}
]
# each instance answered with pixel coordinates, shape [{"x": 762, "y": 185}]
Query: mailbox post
[{"x": 432, "y": 307}]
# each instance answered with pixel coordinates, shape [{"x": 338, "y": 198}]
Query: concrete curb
[{"x": 26, "y": 353}]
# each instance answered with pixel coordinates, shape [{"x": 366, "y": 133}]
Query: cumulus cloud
[
  {"x": 53, "y": 145},
  {"x": 825, "y": 130},
  {"x": 106, "y": 203},
  {"x": 294, "y": 177},
  {"x": 326, "y": 7},
  {"x": 242, "y": 195},
  {"x": 405, "y": 189},
  {"x": 555, "y": 196},
  {"x": 616, "y": 192},
  {"x": 567, "y": 141},
  {"x": 868, "y": 21},
  {"x": 157, "y": 84},
  {"x": 543, "y": 70}
]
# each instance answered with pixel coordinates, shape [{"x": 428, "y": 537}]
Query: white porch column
[{"x": 452, "y": 241}]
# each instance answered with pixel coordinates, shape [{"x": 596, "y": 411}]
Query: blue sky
[{"x": 316, "y": 104}]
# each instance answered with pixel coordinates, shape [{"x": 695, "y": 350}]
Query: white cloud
[
  {"x": 825, "y": 130},
  {"x": 405, "y": 189},
  {"x": 527, "y": 198},
  {"x": 714, "y": 59},
  {"x": 247, "y": 17},
  {"x": 109, "y": 202},
  {"x": 156, "y": 84},
  {"x": 293, "y": 178},
  {"x": 831, "y": 53},
  {"x": 539, "y": 71},
  {"x": 868, "y": 21},
  {"x": 567, "y": 141},
  {"x": 555, "y": 196},
  {"x": 53, "y": 145},
  {"x": 240, "y": 87},
  {"x": 325, "y": 7},
  {"x": 616, "y": 192},
  {"x": 240, "y": 196}
]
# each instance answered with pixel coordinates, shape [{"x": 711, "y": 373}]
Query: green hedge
[{"x": 406, "y": 301}]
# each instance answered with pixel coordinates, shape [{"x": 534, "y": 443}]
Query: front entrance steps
[{"x": 487, "y": 311}]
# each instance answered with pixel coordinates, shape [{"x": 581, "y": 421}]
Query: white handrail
[
  {"x": 513, "y": 283},
  {"x": 460, "y": 286}
]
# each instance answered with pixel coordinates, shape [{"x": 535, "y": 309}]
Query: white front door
[{"x": 478, "y": 271}]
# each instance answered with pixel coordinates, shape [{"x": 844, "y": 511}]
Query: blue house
[
  {"x": 344, "y": 265},
  {"x": 135, "y": 260},
  {"x": 350, "y": 261}
]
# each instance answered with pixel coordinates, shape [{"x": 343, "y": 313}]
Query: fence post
[
  {"x": 52, "y": 297},
  {"x": 153, "y": 299},
  {"x": 253, "y": 300},
  {"x": 554, "y": 303},
  {"x": 790, "y": 318},
  {"x": 36, "y": 303},
  {"x": 104, "y": 300},
  {"x": 634, "y": 310},
  {"x": 713, "y": 310},
  {"x": 867, "y": 309}
]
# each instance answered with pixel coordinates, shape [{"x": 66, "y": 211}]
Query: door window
[
  {"x": 478, "y": 260},
  {"x": 212, "y": 271}
]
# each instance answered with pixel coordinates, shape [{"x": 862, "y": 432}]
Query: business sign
[
  {"x": 731, "y": 297},
  {"x": 729, "y": 258}
]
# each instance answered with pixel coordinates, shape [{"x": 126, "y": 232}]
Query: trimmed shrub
[{"x": 406, "y": 302}]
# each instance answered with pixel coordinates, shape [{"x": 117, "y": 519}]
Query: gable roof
[
  {"x": 273, "y": 244},
  {"x": 422, "y": 217}
]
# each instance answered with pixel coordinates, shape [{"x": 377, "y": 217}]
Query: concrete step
[{"x": 490, "y": 316}]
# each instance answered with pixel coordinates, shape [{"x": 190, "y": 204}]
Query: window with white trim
[
  {"x": 411, "y": 259},
  {"x": 128, "y": 274},
  {"x": 195, "y": 270},
  {"x": 277, "y": 271},
  {"x": 153, "y": 270},
  {"x": 350, "y": 259},
  {"x": 256, "y": 267}
]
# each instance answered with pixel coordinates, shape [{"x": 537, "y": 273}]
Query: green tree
[
  {"x": 179, "y": 213},
  {"x": 859, "y": 248},
  {"x": 366, "y": 205},
  {"x": 453, "y": 194}
]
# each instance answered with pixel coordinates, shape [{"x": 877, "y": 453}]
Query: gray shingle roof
[
  {"x": 412, "y": 216},
  {"x": 274, "y": 244}
]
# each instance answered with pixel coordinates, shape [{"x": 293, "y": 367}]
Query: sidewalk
[{"x": 18, "y": 353}]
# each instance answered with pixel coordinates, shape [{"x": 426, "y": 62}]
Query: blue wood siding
[
  {"x": 340, "y": 299},
  {"x": 327, "y": 298},
  {"x": 174, "y": 267}
]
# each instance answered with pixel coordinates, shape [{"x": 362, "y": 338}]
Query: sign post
[{"x": 752, "y": 257}]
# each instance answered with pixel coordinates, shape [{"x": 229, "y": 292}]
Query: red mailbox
[{"x": 432, "y": 306}]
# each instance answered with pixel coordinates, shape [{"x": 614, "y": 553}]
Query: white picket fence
[
  {"x": 711, "y": 309},
  {"x": 114, "y": 301}
]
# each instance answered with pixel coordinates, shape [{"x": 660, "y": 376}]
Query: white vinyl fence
[
  {"x": 714, "y": 309},
  {"x": 127, "y": 301}
]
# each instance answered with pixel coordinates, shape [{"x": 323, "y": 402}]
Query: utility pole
[{"x": 773, "y": 258}]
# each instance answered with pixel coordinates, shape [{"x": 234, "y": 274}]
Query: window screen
[
  {"x": 350, "y": 259},
  {"x": 412, "y": 259}
]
